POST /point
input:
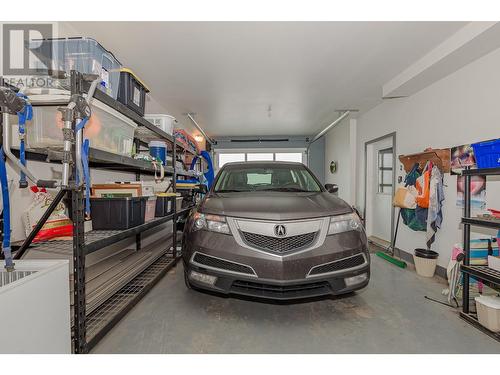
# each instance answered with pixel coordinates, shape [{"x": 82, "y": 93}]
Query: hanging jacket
[
  {"x": 436, "y": 198},
  {"x": 422, "y": 186}
]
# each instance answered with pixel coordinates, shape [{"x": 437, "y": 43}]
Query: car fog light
[
  {"x": 358, "y": 279},
  {"x": 203, "y": 278}
]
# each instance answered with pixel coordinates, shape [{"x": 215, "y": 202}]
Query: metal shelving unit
[
  {"x": 102, "y": 159},
  {"x": 487, "y": 275},
  {"x": 88, "y": 329},
  {"x": 100, "y": 321}
]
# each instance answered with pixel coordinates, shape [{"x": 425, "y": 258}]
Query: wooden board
[{"x": 439, "y": 157}]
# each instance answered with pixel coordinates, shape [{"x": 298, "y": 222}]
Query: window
[
  {"x": 385, "y": 172},
  {"x": 257, "y": 155},
  {"x": 282, "y": 178},
  {"x": 289, "y": 156},
  {"x": 260, "y": 157},
  {"x": 228, "y": 158}
]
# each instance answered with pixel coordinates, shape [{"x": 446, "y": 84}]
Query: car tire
[{"x": 186, "y": 280}]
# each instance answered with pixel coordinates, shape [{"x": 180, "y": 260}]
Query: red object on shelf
[
  {"x": 186, "y": 140},
  {"x": 495, "y": 213}
]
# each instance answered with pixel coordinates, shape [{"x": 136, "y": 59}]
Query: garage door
[{"x": 224, "y": 157}]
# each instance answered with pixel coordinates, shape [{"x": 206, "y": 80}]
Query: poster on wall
[
  {"x": 461, "y": 157},
  {"x": 478, "y": 192}
]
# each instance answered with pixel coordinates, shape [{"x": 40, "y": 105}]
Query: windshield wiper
[
  {"x": 295, "y": 190},
  {"x": 231, "y": 191}
]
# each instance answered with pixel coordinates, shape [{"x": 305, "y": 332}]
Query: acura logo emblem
[{"x": 280, "y": 230}]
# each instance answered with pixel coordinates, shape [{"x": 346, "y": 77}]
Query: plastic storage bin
[
  {"x": 164, "y": 206},
  {"x": 107, "y": 129},
  {"x": 84, "y": 55},
  {"x": 164, "y": 122},
  {"x": 487, "y": 153},
  {"x": 488, "y": 312},
  {"x": 150, "y": 209},
  {"x": 117, "y": 213},
  {"x": 132, "y": 91}
]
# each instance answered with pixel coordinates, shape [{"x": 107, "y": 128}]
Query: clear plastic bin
[
  {"x": 164, "y": 122},
  {"x": 107, "y": 129},
  {"x": 84, "y": 55}
]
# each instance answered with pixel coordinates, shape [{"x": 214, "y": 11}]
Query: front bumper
[
  {"x": 263, "y": 275},
  {"x": 276, "y": 289}
]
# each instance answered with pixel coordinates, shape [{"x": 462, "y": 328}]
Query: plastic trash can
[{"x": 425, "y": 262}]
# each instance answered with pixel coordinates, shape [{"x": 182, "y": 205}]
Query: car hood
[{"x": 274, "y": 205}]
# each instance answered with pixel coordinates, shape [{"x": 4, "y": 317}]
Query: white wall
[
  {"x": 338, "y": 148},
  {"x": 461, "y": 108}
]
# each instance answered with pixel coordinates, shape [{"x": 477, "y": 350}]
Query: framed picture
[
  {"x": 116, "y": 190},
  {"x": 462, "y": 157}
]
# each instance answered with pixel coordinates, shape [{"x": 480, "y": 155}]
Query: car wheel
[{"x": 186, "y": 280}]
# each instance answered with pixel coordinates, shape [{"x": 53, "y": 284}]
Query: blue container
[
  {"x": 487, "y": 153},
  {"x": 158, "y": 149}
]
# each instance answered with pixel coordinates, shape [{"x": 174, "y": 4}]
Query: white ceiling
[{"x": 230, "y": 73}]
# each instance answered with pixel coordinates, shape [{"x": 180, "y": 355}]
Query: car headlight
[
  {"x": 213, "y": 223},
  {"x": 345, "y": 223}
]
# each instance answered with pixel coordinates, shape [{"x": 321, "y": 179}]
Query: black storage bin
[
  {"x": 132, "y": 91},
  {"x": 117, "y": 213},
  {"x": 164, "y": 206}
]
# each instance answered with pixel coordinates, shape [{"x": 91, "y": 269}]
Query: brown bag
[{"x": 405, "y": 197}]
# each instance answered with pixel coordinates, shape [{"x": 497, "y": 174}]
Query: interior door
[{"x": 379, "y": 190}]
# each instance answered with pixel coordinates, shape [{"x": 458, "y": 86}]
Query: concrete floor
[{"x": 389, "y": 316}]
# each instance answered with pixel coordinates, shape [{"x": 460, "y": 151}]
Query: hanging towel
[{"x": 435, "y": 212}]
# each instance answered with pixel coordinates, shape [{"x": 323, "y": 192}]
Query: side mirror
[
  {"x": 332, "y": 188},
  {"x": 203, "y": 189}
]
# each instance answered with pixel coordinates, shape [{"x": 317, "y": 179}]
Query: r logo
[{"x": 19, "y": 51}]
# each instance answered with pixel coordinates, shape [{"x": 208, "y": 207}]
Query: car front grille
[
  {"x": 280, "y": 291},
  {"x": 209, "y": 261},
  {"x": 338, "y": 265},
  {"x": 279, "y": 245}
]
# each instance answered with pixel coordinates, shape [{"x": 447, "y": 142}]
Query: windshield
[{"x": 241, "y": 178}]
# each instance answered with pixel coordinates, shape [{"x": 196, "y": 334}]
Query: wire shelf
[{"x": 102, "y": 319}]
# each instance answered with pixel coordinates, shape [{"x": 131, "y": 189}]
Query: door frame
[{"x": 393, "y": 210}]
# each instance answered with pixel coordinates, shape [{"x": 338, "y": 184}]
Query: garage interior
[{"x": 358, "y": 103}]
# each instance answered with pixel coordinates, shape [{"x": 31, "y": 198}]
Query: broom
[{"x": 388, "y": 255}]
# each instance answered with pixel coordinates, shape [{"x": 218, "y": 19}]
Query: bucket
[
  {"x": 425, "y": 262},
  {"x": 158, "y": 149}
]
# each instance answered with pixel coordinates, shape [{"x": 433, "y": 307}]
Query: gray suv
[{"x": 270, "y": 230}]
